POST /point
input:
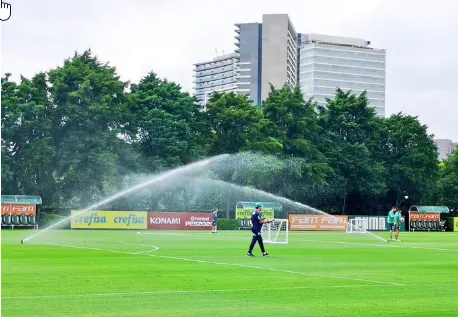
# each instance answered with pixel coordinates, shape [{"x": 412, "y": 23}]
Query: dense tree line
[{"x": 78, "y": 133}]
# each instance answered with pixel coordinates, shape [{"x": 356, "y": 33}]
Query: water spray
[
  {"x": 157, "y": 178},
  {"x": 284, "y": 200},
  {"x": 194, "y": 167}
]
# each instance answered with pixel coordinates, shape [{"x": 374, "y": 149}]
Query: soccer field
[{"x": 165, "y": 273}]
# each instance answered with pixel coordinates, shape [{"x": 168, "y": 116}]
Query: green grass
[{"x": 316, "y": 274}]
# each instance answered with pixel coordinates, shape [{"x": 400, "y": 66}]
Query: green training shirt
[{"x": 391, "y": 217}]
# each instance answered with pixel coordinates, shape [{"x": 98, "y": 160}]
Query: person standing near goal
[
  {"x": 397, "y": 224},
  {"x": 214, "y": 220},
  {"x": 256, "y": 227},
  {"x": 391, "y": 221}
]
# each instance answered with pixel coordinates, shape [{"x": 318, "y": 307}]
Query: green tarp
[
  {"x": 442, "y": 209},
  {"x": 21, "y": 199}
]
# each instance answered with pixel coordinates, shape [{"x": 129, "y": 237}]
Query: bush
[
  {"x": 228, "y": 224},
  {"x": 48, "y": 219}
]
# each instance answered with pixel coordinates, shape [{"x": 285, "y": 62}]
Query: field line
[
  {"x": 238, "y": 265},
  {"x": 382, "y": 245},
  {"x": 190, "y": 291},
  {"x": 200, "y": 236},
  {"x": 108, "y": 250}
]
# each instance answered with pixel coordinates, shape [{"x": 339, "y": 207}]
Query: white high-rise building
[
  {"x": 220, "y": 74},
  {"x": 445, "y": 148},
  {"x": 330, "y": 62},
  {"x": 265, "y": 54}
]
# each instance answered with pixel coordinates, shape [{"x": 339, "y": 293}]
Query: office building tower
[
  {"x": 219, "y": 74},
  {"x": 266, "y": 53},
  {"x": 279, "y": 53},
  {"x": 445, "y": 148},
  {"x": 330, "y": 62},
  {"x": 248, "y": 47},
  {"x": 272, "y": 53}
]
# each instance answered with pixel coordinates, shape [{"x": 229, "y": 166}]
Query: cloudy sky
[{"x": 138, "y": 36}]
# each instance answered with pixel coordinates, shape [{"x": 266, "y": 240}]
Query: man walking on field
[
  {"x": 391, "y": 221},
  {"x": 256, "y": 227}
]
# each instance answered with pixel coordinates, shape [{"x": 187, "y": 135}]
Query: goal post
[
  {"x": 275, "y": 231},
  {"x": 357, "y": 226}
]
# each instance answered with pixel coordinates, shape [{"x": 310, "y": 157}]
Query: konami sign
[{"x": 179, "y": 221}]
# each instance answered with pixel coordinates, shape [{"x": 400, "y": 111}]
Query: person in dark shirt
[
  {"x": 256, "y": 227},
  {"x": 214, "y": 220}
]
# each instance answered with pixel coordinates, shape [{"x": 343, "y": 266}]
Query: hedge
[
  {"x": 228, "y": 224},
  {"x": 48, "y": 219}
]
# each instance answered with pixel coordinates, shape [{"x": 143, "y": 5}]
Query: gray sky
[{"x": 138, "y": 36}]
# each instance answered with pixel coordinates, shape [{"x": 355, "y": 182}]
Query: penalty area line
[
  {"x": 238, "y": 265},
  {"x": 172, "y": 292}
]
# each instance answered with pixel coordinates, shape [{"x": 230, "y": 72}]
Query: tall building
[
  {"x": 273, "y": 53},
  {"x": 248, "y": 47},
  {"x": 265, "y": 53},
  {"x": 220, "y": 74},
  {"x": 330, "y": 62},
  {"x": 445, "y": 148},
  {"x": 279, "y": 53}
]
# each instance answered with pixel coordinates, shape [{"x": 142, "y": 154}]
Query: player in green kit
[
  {"x": 397, "y": 224},
  {"x": 391, "y": 221}
]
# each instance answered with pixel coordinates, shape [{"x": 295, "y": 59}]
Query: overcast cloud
[{"x": 138, "y": 36}]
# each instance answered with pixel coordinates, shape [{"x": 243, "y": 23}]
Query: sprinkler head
[
  {"x": 22, "y": 241},
  {"x": 387, "y": 241}
]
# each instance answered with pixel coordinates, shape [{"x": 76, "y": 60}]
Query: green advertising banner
[{"x": 374, "y": 223}]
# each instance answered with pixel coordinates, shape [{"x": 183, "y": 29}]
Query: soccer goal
[
  {"x": 357, "y": 226},
  {"x": 275, "y": 231}
]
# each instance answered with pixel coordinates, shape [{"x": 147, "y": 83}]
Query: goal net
[
  {"x": 357, "y": 226},
  {"x": 275, "y": 231}
]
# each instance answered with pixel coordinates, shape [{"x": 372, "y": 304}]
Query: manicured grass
[{"x": 122, "y": 273}]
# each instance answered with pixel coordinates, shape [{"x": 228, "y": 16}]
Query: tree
[
  {"x": 351, "y": 146},
  {"x": 448, "y": 181},
  {"x": 234, "y": 121},
  {"x": 293, "y": 123},
  {"x": 410, "y": 157},
  {"x": 27, "y": 148},
  {"x": 89, "y": 119},
  {"x": 168, "y": 127}
]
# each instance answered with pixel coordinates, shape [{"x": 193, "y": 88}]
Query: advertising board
[
  {"x": 19, "y": 214},
  {"x": 453, "y": 224},
  {"x": 179, "y": 221},
  {"x": 374, "y": 223},
  {"x": 317, "y": 223},
  {"x": 245, "y": 213},
  {"x": 108, "y": 219},
  {"x": 424, "y": 216}
]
